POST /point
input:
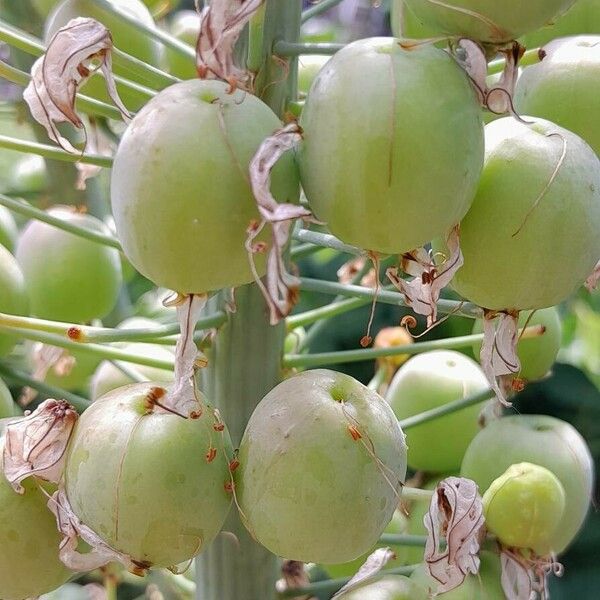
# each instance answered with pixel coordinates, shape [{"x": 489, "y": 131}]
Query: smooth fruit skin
[
  {"x": 429, "y": 380},
  {"x": 142, "y": 481},
  {"x": 565, "y": 87},
  {"x": 13, "y": 295},
  {"x": 487, "y": 20},
  {"x": 406, "y": 25},
  {"x": 303, "y": 476},
  {"x": 28, "y": 176},
  {"x": 185, "y": 26},
  {"x": 519, "y": 254},
  {"x": 393, "y": 145},
  {"x": 523, "y": 507},
  {"x": 390, "y": 587},
  {"x": 8, "y": 229},
  {"x": 180, "y": 192},
  {"x": 69, "y": 278},
  {"x": 309, "y": 66},
  {"x": 537, "y": 354},
  {"x": 79, "y": 376},
  {"x": 7, "y": 406},
  {"x": 29, "y": 563},
  {"x": 543, "y": 441}
]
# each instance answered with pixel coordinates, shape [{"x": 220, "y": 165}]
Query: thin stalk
[
  {"x": 53, "y": 152},
  {"x": 288, "y": 49},
  {"x": 319, "y": 8},
  {"x": 377, "y": 379},
  {"x": 403, "y": 539},
  {"x": 325, "y": 240},
  {"x": 129, "y": 371},
  {"x": 411, "y": 494},
  {"x": 531, "y": 57},
  {"x": 302, "y": 250},
  {"x": 22, "y": 378}
]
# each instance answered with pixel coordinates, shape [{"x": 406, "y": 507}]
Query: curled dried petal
[
  {"x": 525, "y": 575},
  {"x": 591, "y": 283},
  {"x": 57, "y": 75},
  {"x": 294, "y": 575},
  {"x": 349, "y": 270},
  {"x": 37, "y": 443},
  {"x": 423, "y": 291},
  {"x": 220, "y": 26},
  {"x": 455, "y": 512},
  {"x": 499, "y": 359},
  {"x": 280, "y": 288},
  {"x": 369, "y": 569}
]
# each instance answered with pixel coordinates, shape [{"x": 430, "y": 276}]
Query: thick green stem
[
  {"x": 325, "y": 240},
  {"x": 319, "y": 8},
  {"x": 531, "y": 57}
]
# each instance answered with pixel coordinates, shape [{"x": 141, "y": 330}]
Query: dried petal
[
  {"x": 37, "y": 443},
  {"x": 349, "y": 270},
  {"x": 97, "y": 143},
  {"x": 72, "y": 528},
  {"x": 423, "y": 291},
  {"x": 456, "y": 512},
  {"x": 369, "y": 569},
  {"x": 591, "y": 283},
  {"x": 294, "y": 576},
  {"x": 281, "y": 288},
  {"x": 220, "y": 26},
  {"x": 57, "y": 75},
  {"x": 524, "y": 577},
  {"x": 499, "y": 359}
]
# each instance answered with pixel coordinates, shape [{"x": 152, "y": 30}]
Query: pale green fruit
[
  {"x": 529, "y": 241},
  {"x": 382, "y": 163},
  {"x": 69, "y": 591},
  {"x": 109, "y": 377},
  {"x": 142, "y": 481},
  {"x": 565, "y": 87},
  {"x": 13, "y": 295},
  {"x": 487, "y": 20},
  {"x": 544, "y": 441},
  {"x": 69, "y": 278},
  {"x": 29, "y": 563},
  {"x": 28, "y": 176},
  {"x": 406, "y": 25},
  {"x": 582, "y": 17},
  {"x": 524, "y": 507},
  {"x": 305, "y": 475},
  {"x": 7, "y": 407},
  {"x": 180, "y": 190},
  {"x": 429, "y": 380},
  {"x": 185, "y": 26},
  {"x": 309, "y": 66},
  {"x": 537, "y": 354},
  {"x": 8, "y": 229},
  {"x": 390, "y": 587}
]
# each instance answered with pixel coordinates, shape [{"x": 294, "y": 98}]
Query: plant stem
[
  {"x": 377, "y": 379},
  {"x": 403, "y": 539},
  {"x": 319, "y": 8},
  {"x": 411, "y": 494},
  {"x": 289, "y": 49},
  {"x": 325, "y": 240},
  {"x": 302, "y": 250},
  {"x": 531, "y": 57}
]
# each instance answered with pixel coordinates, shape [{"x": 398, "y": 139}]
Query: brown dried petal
[
  {"x": 525, "y": 577},
  {"x": 591, "y": 283},
  {"x": 97, "y": 143},
  {"x": 37, "y": 443},
  {"x": 349, "y": 270},
  {"x": 280, "y": 287},
  {"x": 499, "y": 359},
  {"x": 294, "y": 576},
  {"x": 369, "y": 569},
  {"x": 220, "y": 26},
  {"x": 57, "y": 75},
  {"x": 456, "y": 512},
  {"x": 423, "y": 291}
]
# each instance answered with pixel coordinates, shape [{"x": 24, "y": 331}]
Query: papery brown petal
[
  {"x": 371, "y": 567},
  {"x": 456, "y": 512},
  {"x": 475, "y": 64},
  {"x": 294, "y": 575},
  {"x": 97, "y": 143},
  {"x": 591, "y": 283},
  {"x": 37, "y": 443},
  {"x": 525, "y": 575}
]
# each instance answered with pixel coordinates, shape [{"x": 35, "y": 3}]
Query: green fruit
[
  {"x": 543, "y": 441},
  {"x": 582, "y": 17},
  {"x": 29, "y": 175},
  {"x": 69, "y": 278},
  {"x": 524, "y": 506},
  {"x": 158, "y": 5},
  {"x": 537, "y": 354},
  {"x": 427, "y": 381},
  {"x": 530, "y": 240},
  {"x": 185, "y": 26},
  {"x": 180, "y": 192},
  {"x": 565, "y": 87},
  {"x": 69, "y": 591},
  {"x": 368, "y": 163},
  {"x": 8, "y": 229},
  {"x": 79, "y": 376},
  {"x": 13, "y": 295},
  {"x": 390, "y": 587},
  {"x": 29, "y": 563},
  {"x": 309, "y": 66},
  {"x": 306, "y": 468},
  {"x": 406, "y": 25},
  {"x": 483, "y": 586},
  {"x": 143, "y": 482},
  {"x": 43, "y": 7},
  {"x": 487, "y": 20},
  {"x": 7, "y": 407},
  {"x": 108, "y": 377}
]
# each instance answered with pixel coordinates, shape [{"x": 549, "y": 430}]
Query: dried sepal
[
  {"x": 525, "y": 575},
  {"x": 429, "y": 278},
  {"x": 456, "y": 513},
  {"x": 294, "y": 575},
  {"x": 369, "y": 569},
  {"x": 349, "y": 270},
  {"x": 280, "y": 288},
  {"x": 499, "y": 359},
  {"x": 37, "y": 443},
  {"x": 220, "y": 26},
  {"x": 75, "y": 52},
  {"x": 97, "y": 143},
  {"x": 591, "y": 283},
  {"x": 72, "y": 529}
]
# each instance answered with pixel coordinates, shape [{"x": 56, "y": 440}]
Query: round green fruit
[
  {"x": 8, "y": 229},
  {"x": 406, "y": 25},
  {"x": 565, "y": 87},
  {"x": 531, "y": 237},
  {"x": 319, "y": 447},
  {"x": 69, "y": 278},
  {"x": 543, "y": 441},
  {"x": 487, "y": 20},
  {"x": 537, "y": 354},
  {"x": 79, "y": 376},
  {"x": 13, "y": 295},
  {"x": 29, "y": 176},
  {"x": 390, "y": 587},
  {"x": 427, "y": 381},
  {"x": 185, "y": 26},
  {"x": 180, "y": 192},
  {"x": 381, "y": 162},
  {"x": 309, "y": 66},
  {"x": 524, "y": 506},
  {"x": 143, "y": 481},
  {"x": 29, "y": 563},
  {"x": 7, "y": 406}
]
